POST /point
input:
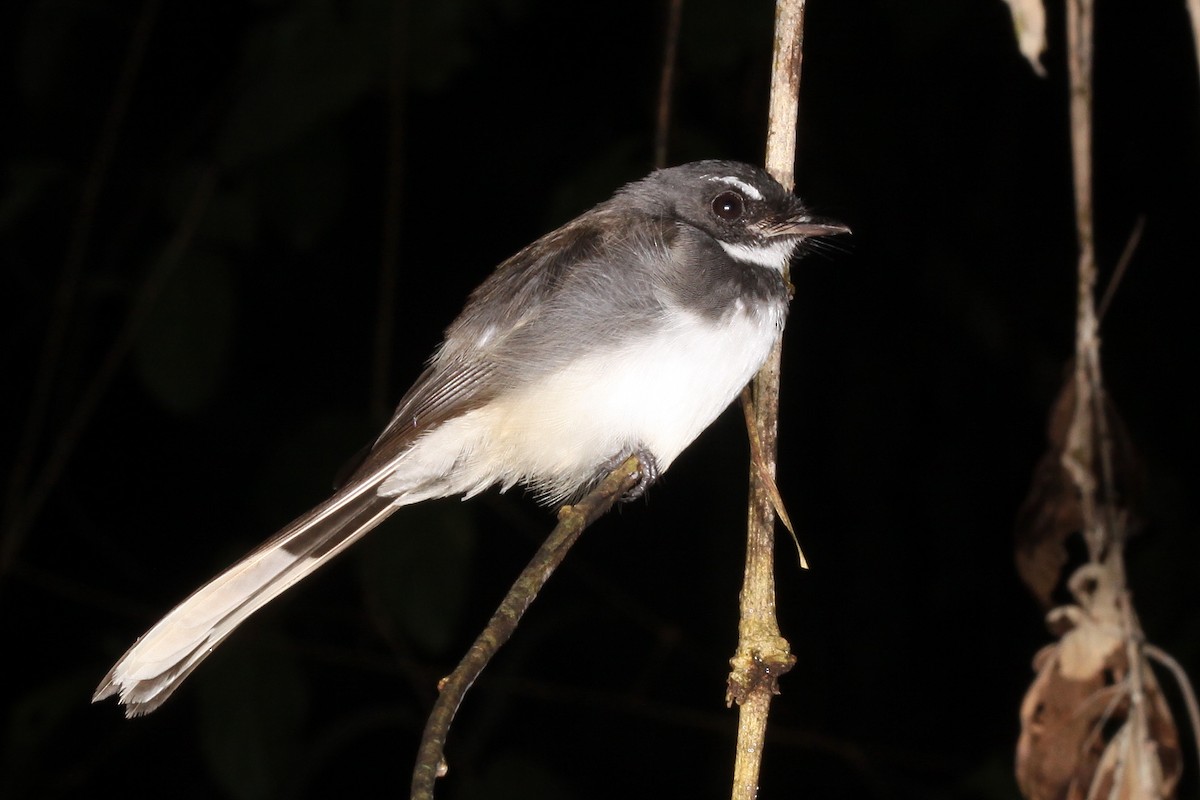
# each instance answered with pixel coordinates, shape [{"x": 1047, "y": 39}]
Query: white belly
[{"x": 657, "y": 392}]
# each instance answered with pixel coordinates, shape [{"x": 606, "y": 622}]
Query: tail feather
[{"x": 159, "y": 661}]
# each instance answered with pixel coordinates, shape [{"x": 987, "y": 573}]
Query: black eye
[{"x": 728, "y": 206}]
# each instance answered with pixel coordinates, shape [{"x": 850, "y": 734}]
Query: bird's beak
[{"x": 805, "y": 225}]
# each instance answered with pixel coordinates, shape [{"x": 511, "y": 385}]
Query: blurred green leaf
[
  {"x": 182, "y": 351},
  {"x": 306, "y": 65},
  {"x": 418, "y": 575},
  {"x": 303, "y": 190},
  {"x": 230, "y": 216},
  {"x": 717, "y": 36},
  {"x": 252, "y": 702}
]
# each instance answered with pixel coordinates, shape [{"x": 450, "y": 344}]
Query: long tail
[{"x": 159, "y": 661}]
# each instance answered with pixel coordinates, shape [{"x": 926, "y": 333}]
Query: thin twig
[
  {"x": 572, "y": 520},
  {"x": 1090, "y": 443},
  {"x": 1079, "y": 458},
  {"x": 666, "y": 83},
  {"x": 1131, "y": 244},
  {"x": 762, "y": 653}
]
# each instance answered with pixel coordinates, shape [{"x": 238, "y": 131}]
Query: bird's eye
[{"x": 728, "y": 206}]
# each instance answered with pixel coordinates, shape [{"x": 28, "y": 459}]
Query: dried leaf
[
  {"x": 1050, "y": 513},
  {"x": 1029, "y": 21},
  {"x": 1142, "y": 760},
  {"x": 1086, "y": 734},
  {"x": 1056, "y": 750}
]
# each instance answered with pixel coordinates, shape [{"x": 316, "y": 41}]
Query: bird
[{"x": 626, "y": 331}]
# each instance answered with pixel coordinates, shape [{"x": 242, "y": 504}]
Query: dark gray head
[{"x": 737, "y": 204}]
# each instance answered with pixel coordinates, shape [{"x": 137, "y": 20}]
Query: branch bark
[
  {"x": 572, "y": 520},
  {"x": 1072, "y": 744},
  {"x": 762, "y": 653}
]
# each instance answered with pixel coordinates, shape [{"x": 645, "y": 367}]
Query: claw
[{"x": 648, "y": 468}]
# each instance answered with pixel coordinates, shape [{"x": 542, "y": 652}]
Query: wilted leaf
[
  {"x": 1056, "y": 749},
  {"x": 1082, "y": 733},
  {"x": 1029, "y": 22},
  {"x": 303, "y": 189},
  {"x": 1142, "y": 760},
  {"x": 1050, "y": 513},
  {"x": 311, "y": 62}
]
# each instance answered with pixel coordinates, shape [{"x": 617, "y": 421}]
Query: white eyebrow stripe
[{"x": 750, "y": 191}]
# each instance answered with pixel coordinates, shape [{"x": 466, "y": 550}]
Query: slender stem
[
  {"x": 572, "y": 520},
  {"x": 1081, "y": 450},
  {"x": 1131, "y": 244},
  {"x": 762, "y": 654}
]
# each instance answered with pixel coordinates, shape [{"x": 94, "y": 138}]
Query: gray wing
[
  {"x": 499, "y": 340},
  {"x": 552, "y": 291}
]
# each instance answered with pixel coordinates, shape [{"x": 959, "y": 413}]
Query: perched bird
[{"x": 627, "y": 330}]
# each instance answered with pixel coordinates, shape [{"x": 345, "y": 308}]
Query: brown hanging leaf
[
  {"x": 1029, "y": 23},
  {"x": 1143, "y": 760},
  {"x": 1057, "y": 752},
  {"x": 1050, "y": 513},
  {"x": 1082, "y": 736}
]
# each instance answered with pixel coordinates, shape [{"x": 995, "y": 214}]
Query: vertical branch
[
  {"x": 784, "y": 109},
  {"x": 1080, "y": 455},
  {"x": 762, "y": 654},
  {"x": 572, "y": 521},
  {"x": 1068, "y": 743}
]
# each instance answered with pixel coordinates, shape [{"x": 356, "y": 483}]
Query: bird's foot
[{"x": 647, "y": 472}]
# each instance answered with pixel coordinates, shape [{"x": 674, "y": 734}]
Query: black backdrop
[{"x": 920, "y": 360}]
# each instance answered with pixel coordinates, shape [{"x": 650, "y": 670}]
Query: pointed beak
[{"x": 805, "y": 225}]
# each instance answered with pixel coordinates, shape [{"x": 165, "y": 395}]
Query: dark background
[{"x": 221, "y": 332}]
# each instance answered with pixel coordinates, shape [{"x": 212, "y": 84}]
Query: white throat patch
[{"x": 772, "y": 255}]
